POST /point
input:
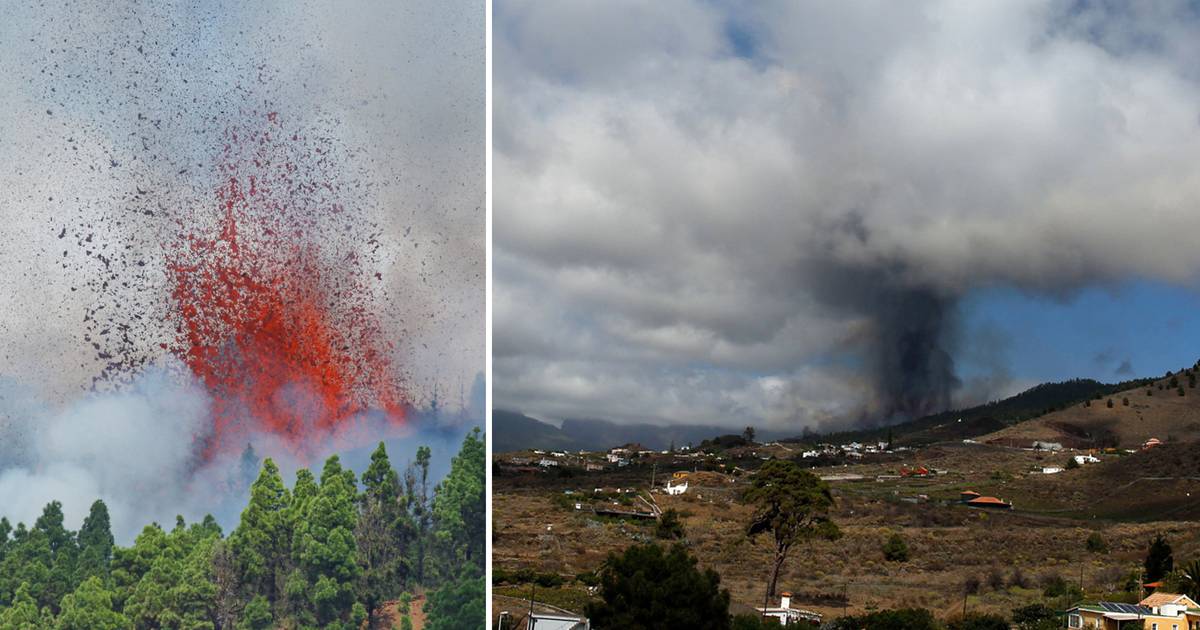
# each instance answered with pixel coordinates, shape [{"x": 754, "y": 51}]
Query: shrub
[
  {"x": 587, "y": 578},
  {"x": 895, "y": 549},
  {"x": 549, "y": 580},
  {"x": 903, "y": 619},
  {"x": 971, "y": 585},
  {"x": 1053, "y": 585},
  {"x": 1096, "y": 543},
  {"x": 1125, "y": 401},
  {"x": 1072, "y": 464},
  {"x": 1110, "y": 403},
  {"x": 1149, "y": 392},
  {"x": 1180, "y": 391},
  {"x": 669, "y": 527},
  {"x": 1036, "y": 617},
  {"x": 1018, "y": 579},
  {"x": 649, "y": 586},
  {"x": 978, "y": 621},
  {"x": 995, "y": 579}
]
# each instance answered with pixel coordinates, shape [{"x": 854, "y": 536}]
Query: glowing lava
[{"x": 271, "y": 311}]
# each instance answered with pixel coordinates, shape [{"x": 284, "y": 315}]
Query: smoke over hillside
[{"x": 773, "y": 215}]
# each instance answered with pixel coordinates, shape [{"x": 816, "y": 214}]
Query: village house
[
  {"x": 1086, "y": 459},
  {"x": 546, "y": 462},
  {"x": 786, "y": 615},
  {"x": 1160, "y": 611},
  {"x": 677, "y": 489}
]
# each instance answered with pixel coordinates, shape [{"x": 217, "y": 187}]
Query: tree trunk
[{"x": 780, "y": 554}]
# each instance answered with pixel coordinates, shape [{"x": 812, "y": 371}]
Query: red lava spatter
[{"x": 271, "y": 314}]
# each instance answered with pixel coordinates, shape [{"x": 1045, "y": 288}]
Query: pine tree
[
  {"x": 64, "y": 554},
  {"x": 261, "y": 542},
  {"x": 325, "y": 549},
  {"x": 458, "y": 508},
  {"x": 383, "y": 531},
  {"x": 95, "y": 544},
  {"x": 90, "y": 607}
]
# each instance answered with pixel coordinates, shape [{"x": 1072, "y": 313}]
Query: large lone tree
[{"x": 791, "y": 503}]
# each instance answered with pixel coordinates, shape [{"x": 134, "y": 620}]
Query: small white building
[
  {"x": 1086, "y": 459},
  {"x": 788, "y": 615},
  {"x": 546, "y": 621},
  {"x": 546, "y": 462},
  {"x": 677, "y": 489},
  {"x": 1051, "y": 470}
]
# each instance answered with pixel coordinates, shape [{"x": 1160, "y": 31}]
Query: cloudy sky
[{"x": 795, "y": 214}]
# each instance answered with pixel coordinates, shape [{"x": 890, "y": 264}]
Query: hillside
[
  {"x": 515, "y": 431},
  {"x": 993, "y": 416},
  {"x": 1155, "y": 409},
  {"x": 512, "y": 431},
  {"x": 1010, "y": 556}
]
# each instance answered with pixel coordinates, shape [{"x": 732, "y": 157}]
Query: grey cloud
[{"x": 695, "y": 216}]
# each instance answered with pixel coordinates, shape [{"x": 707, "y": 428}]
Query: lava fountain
[{"x": 270, "y": 309}]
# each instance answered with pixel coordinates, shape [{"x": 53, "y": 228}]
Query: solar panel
[{"x": 1131, "y": 609}]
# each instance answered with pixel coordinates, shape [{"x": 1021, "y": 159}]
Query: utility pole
[
  {"x": 532, "y": 589},
  {"x": 653, "y": 474}
]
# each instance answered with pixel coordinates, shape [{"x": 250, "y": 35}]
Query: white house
[
  {"x": 677, "y": 489},
  {"x": 546, "y": 462},
  {"x": 1051, "y": 470},
  {"x": 788, "y": 615},
  {"x": 1086, "y": 459}
]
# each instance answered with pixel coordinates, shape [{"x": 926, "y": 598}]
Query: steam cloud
[{"x": 728, "y": 214}]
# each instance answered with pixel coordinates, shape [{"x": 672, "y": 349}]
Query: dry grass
[
  {"x": 1163, "y": 415},
  {"x": 949, "y": 543}
]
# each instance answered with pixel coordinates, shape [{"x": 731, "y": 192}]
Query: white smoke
[{"x": 140, "y": 451}]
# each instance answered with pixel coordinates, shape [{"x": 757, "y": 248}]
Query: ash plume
[{"x": 782, "y": 227}]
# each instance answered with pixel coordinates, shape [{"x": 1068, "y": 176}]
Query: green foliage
[
  {"x": 260, "y": 541},
  {"x": 90, "y": 607},
  {"x": 324, "y": 547},
  {"x": 1189, "y": 579},
  {"x": 1096, "y": 543},
  {"x": 902, "y": 619},
  {"x": 669, "y": 526},
  {"x": 647, "y": 587},
  {"x": 22, "y": 613},
  {"x": 895, "y": 549},
  {"x": 1159, "y": 560},
  {"x": 318, "y": 556},
  {"x": 791, "y": 503},
  {"x": 1072, "y": 463},
  {"x": 458, "y": 508},
  {"x": 257, "y": 615},
  {"x": 406, "y": 623},
  {"x": 756, "y": 622},
  {"x": 978, "y": 621},
  {"x": 383, "y": 532},
  {"x": 1054, "y": 586},
  {"x": 1036, "y": 617},
  {"x": 458, "y": 604}
]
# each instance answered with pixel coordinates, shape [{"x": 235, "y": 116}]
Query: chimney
[{"x": 785, "y": 600}]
